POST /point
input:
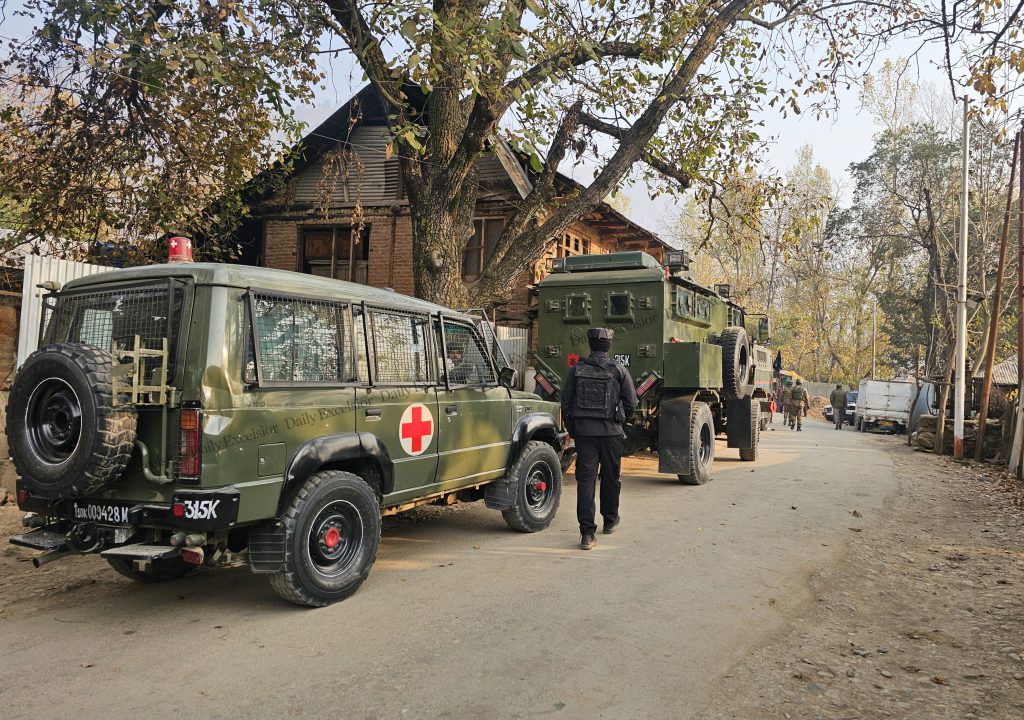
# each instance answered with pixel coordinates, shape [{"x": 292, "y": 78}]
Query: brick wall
[
  {"x": 390, "y": 239},
  {"x": 390, "y": 251}
]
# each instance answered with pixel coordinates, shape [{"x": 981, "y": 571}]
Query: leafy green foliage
[{"x": 124, "y": 119}]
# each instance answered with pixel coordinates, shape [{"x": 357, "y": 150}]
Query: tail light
[
  {"x": 650, "y": 380},
  {"x": 190, "y": 431}
]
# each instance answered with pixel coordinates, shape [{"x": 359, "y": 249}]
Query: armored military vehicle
[
  {"x": 177, "y": 415},
  {"x": 690, "y": 349}
]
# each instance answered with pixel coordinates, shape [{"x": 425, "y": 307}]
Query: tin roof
[{"x": 1003, "y": 373}]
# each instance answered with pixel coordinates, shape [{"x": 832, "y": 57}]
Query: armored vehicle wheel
[
  {"x": 332, "y": 532},
  {"x": 163, "y": 570},
  {"x": 702, "y": 445},
  {"x": 539, "y": 488},
  {"x": 735, "y": 363},
  {"x": 65, "y": 434},
  {"x": 750, "y": 454}
]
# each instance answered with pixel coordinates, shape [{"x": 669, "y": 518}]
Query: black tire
[
  {"x": 538, "y": 479},
  {"x": 702, "y": 445},
  {"x": 163, "y": 570},
  {"x": 750, "y": 454},
  {"x": 332, "y": 533},
  {"x": 735, "y": 363},
  {"x": 65, "y": 434}
]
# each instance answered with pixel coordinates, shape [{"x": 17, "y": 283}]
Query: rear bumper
[{"x": 189, "y": 510}]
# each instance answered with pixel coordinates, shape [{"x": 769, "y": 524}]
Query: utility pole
[
  {"x": 1018, "y": 435},
  {"x": 874, "y": 332},
  {"x": 961, "y": 300},
  {"x": 994, "y": 310}
]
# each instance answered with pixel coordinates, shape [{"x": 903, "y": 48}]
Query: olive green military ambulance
[
  {"x": 693, "y": 353},
  {"x": 178, "y": 415}
]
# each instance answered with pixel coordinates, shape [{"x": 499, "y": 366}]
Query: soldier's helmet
[{"x": 600, "y": 338}]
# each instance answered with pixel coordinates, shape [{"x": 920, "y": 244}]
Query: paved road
[{"x": 461, "y": 618}]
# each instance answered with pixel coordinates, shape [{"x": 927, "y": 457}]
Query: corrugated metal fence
[
  {"x": 39, "y": 269},
  {"x": 820, "y": 388},
  {"x": 515, "y": 343}
]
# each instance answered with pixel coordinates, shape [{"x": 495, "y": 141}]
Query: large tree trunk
[{"x": 440, "y": 230}]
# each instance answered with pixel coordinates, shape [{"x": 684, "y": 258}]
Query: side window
[
  {"x": 467, "y": 361},
  {"x": 300, "y": 341},
  {"x": 400, "y": 348}
]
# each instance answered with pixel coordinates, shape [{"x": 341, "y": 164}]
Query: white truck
[{"x": 884, "y": 405}]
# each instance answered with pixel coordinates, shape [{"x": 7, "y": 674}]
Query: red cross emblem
[{"x": 416, "y": 429}]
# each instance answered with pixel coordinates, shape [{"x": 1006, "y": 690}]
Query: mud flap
[
  {"x": 674, "y": 432},
  {"x": 501, "y": 494},
  {"x": 739, "y": 430},
  {"x": 266, "y": 547}
]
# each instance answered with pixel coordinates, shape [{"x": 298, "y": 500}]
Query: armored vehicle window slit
[
  {"x": 300, "y": 340},
  {"x": 577, "y": 307},
  {"x": 400, "y": 348},
  {"x": 619, "y": 306}
]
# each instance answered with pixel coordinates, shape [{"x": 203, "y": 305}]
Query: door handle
[
  {"x": 372, "y": 412},
  {"x": 451, "y": 409}
]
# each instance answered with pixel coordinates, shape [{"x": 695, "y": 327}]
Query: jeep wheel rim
[
  {"x": 540, "y": 488},
  {"x": 53, "y": 418},
  {"x": 335, "y": 537}
]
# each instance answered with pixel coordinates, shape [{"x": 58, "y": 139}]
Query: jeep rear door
[
  {"x": 400, "y": 405},
  {"x": 475, "y": 422}
]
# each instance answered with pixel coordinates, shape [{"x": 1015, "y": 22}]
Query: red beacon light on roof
[{"x": 179, "y": 249}]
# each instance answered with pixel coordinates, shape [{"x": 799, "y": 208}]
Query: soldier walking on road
[
  {"x": 787, "y": 405},
  {"x": 598, "y": 398},
  {"x": 838, "y": 401},
  {"x": 799, "y": 404}
]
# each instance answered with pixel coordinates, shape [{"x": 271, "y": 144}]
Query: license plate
[
  {"x": 885, "y": 423},
  {"x": 99, "y": 512}
]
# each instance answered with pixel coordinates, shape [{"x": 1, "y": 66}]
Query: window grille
[
  {"x": 400, "y": 347},
  {"x": 99, "y": 317},
  {"x": 301, "y": 340},
  {"x": 467, "y": 362}
]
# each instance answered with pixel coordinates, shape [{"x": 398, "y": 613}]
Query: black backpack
[{"x": 597, "y": 390}]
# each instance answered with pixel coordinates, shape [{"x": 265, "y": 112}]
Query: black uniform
[{"x": 598, "y": 439}]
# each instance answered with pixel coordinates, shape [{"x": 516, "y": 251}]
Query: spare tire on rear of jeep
[{"x": 67, "y": 438}]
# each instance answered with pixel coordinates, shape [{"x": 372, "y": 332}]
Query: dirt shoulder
[{"x": 923, "y": 618}]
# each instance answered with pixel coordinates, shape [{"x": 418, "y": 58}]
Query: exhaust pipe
[{"x": 48, "y": 557}]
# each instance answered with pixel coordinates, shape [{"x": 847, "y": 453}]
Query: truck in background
[
  {"x": 698, "y": 359},
  {"x": 884, "y": 405}
]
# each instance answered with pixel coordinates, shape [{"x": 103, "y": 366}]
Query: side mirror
[
  {"x": 507, "y": 377},
  {"x": 764, "y": 330}
]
